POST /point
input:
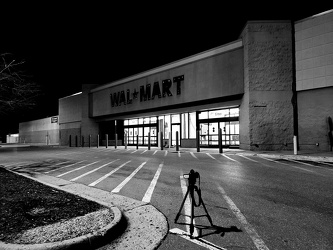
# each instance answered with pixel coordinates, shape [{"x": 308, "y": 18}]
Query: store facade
[{"x": 243, "y": 88}]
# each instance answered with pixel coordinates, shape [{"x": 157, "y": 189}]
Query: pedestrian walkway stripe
[
  {"x": 187, "y": 208},
  {"x": 107, "y": 175},
  {"x": 210, "y": 156},
  {"x": 198, "y": 241},
  {"x": 63, "y": 166},
  {"x": 121, "y": 185},
  {"x": 194, "y": 155},
  {"x": 150, "y": 190},
  {"x": 258, "y": 242},
  {"x": 82, "y": 175},
  {"x": 229, "y": 158},
  {"x": 76, "y": 169}
]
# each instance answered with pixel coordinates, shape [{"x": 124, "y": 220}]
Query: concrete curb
[
  {"x": 81, "y": 242},
  {"x": 139, "y": 224}
]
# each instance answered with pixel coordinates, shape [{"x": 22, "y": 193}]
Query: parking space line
[
  {"x": 82, "y": 175},
  {"x": 199, "y": 241},
  {"x": 210, "y": 156},
  {"x": 179, "y": 154},
  {"x": 165, "y": 154},
  {"x": 134, "y": 151},
  {"x": 76, "y": 169},
  {"x": 155, "y": 152},
  {"x": 107, "y": 175},
  {"x": 286, "y": 164},
  {"x": 150, "y": 190},
  {"x": 194, "y": 155},
  {"x": 121, "y": 185},
  {"x": 143, "y": 152},
  {"x": 63, "y": 166},
  {"x": 247, "y": 158},
  {"x": 258, "y": 242},
  {"x": 230, "y": 158}
]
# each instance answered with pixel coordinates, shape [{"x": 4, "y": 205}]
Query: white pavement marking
[
  {"x": 179, "y": 154},
  {"x": 150, "y": 190},
  {"x": 134, "y": 151},
  {"x": 16, "y": 163},
  {"x": 155, "y": 152},
  {"x": 82, "y": 175},
  {"x": 258, "y": 242},
  {"x": 143, "y": 152},
  {"x": 107, "y": 175},
  {"x": 166, "y": 152},
  {"x": 187, "y": 208},
  {"x": 210, "y": 156},
  {"x": 286, "y": 164},
  {"x": 76, "y": 169},
  {"x": 63, "y": 166},
  {"x": 229, "y": 158},
  {"x": 198, "y": 241},
  {"x": 247, "y": 158},
  {"x": 194, "y": 155},
  {"x": 121, "y": 185}
]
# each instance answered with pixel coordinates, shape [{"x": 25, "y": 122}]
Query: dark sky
[{"x": 66, "y": 45}]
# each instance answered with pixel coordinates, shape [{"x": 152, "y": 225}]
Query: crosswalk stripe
[
  {"x": 229, "y": 158},
  {"x": 75, "y": 169},
  {"x": 63, "y": 166},
  {"x": 121, "y": 185},
  {"x": 107, "y": 175},
  {"x": 149, "y": 192},
  {"x": 82, "y": 175}
]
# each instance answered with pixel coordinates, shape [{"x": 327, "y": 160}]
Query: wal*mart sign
[{"x": 148, "y": 92}]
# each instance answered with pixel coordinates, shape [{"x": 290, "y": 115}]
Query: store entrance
[{"x": 174, "y": 129}]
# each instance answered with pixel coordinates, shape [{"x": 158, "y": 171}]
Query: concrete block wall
[{"x": 266, "y": 114}]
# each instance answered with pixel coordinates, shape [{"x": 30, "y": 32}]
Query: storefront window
[
  {"x": 140, "y": 121},
  {"x": 175, "y": 118},
  {"x": 184, "y": 126},
  {"x": 167, "y": 126},
  {"x": 153, "y": 119},
  {"x": 234, "y": 112},
  {"x": 218, "y": 113},
  {"x": 203, "y": 115}
]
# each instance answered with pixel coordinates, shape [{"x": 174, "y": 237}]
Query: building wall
[
  {"x": 70, "y": 117},
  {"x": 314, "y": 79},
  {"x": 266, "y": 117},
  {"x": 42, "y": 131}
]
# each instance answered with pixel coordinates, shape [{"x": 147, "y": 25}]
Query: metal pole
[
  {"x": 220, "y": 141},
  {"x": 198, "y": 141},
  {"x": 76, "y": 141},
  {"x": 169, "y": 140},
  {"x": 70, "y": 140},
  {"x": 116, "y": 136},
  {"x": 107, "y": 140},
  {"x": 89, "y": 141},
  {"x": 97, "y": 141},
  {"x": 295, "y": 145},
  {"x": 82, "y": 141},
  {"x": 137, "y": 141},
  {"x": 148, "y": 140},
  {"x": 177, "y": 143}
]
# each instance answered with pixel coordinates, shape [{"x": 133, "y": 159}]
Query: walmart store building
[{"x": 257, "y": 90}]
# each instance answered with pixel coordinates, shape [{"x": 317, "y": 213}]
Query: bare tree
[{"x": 17, "y": 91}]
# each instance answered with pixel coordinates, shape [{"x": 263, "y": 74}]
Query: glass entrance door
[{"x": 175, "y": 128}]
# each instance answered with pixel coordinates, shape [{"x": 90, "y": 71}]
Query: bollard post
[
  {"x": 97, "y": 141},
  {"x": 161, "y": 140},
  {"x": 107, "y": 140},
  {"x": 89, "y": 141},
  {"x": 220, "y": 141},
  {"x": 82, "y": 141},
  {"x": 148, "y": 140},
  {"x": 125, "y": 139},
  {"x": 177, "y": 143},
  {"x": 116, "y": 136},
  {"x": 137, "y": 141},
  {"x": 198, "y": 141},
  {"x": 76, "y": 141},
  {"x": 70, "y": 140}
]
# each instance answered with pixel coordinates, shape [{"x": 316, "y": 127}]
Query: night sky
[{"x": 65, "y": 46}]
